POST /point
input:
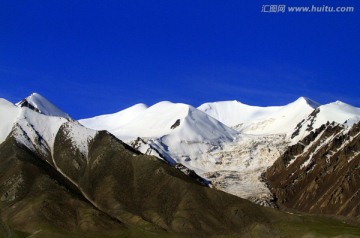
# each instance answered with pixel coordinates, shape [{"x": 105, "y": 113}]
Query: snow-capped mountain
[
  {"x": 40, "y": 104},
  {"x": 206, "y": 144},
  {"x": 37, "y": 131},
  {"x": 79, "y": 175},
  {"x": 338, "y": 112},
  {"x": 221, "y": 141},
  {"x": 113, "y": 121},
  {"x": 59, "y": 178},
  {"x": 34, "y": 122},
  {"x": 162, "y": 119},
  {"x": 178, "y": 131},
  {"x": 260, "y": 120}
]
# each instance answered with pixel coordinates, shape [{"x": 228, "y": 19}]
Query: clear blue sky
[{"x": 96, "y": 57}]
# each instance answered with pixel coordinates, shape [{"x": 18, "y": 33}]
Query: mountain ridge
[
  {"x": 261, "y": 135},
  {"x": 320, "y": 173},
  {"x": 109, "y": 186},
  {"x": 40, "y": 104},
  {"x": 182, "y": 134}
]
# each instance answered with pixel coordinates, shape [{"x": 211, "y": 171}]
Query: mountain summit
[
  {"x": 260, "y": 120},
  {"x": 177, "y": 131},
  {"x": 40, "y": 104}
]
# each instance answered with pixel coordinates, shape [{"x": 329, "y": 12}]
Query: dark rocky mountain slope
[
  {"x": 115, "y": 191},
  {"x": 320, "y": 174}
]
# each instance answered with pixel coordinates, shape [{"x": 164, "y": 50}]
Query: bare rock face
[
  {"x": 25, "y": 103},
  {"x": 320, "y": 174},
  {"x": 176, "y": 124}
]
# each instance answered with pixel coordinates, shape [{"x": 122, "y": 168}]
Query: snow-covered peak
[
  {"x": 41, "y": 105},
  {"x": 307, "y": 101},
  {"x": 34, "y": 130},
  {"x": 110, "y": 122},
  {"x": 233, "y": 113},
  {"x": 338, "y": 112},
  {"x": 166, "y": 118},
  {"x": 37, "y": 131},
  {"x": 260, "y": 120},
  {"x": 179, "y": 132}
]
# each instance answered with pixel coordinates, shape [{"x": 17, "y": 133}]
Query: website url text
[{"x": 308, "y": 9}]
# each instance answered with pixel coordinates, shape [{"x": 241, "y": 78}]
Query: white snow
[
  {"x": 80, "y": 136},
  {"x": 157, "y": 120},
  {"x": 110, "y": 122},
  {"x": 37, "y": 131},
  {"x": 353, "y": 156},
  {"x": 8, "y": 116},
  {"x": 260, "y": 120},
  {"x": 178, "y": 131},
  {"x": 46, "y": 126},
  {"x": 338, "y": 112},
  {"x": 44, "y": 106},
  {"x": 203, "y": 144},
  {"x": 233, "y": 113}
]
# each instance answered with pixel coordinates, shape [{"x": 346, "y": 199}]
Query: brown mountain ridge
[{"x": 320, "y": 174}]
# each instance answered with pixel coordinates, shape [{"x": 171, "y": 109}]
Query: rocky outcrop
[{"x": 320, "y": 174}]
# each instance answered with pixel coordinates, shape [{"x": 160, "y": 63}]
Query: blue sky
[{"x": 96, "y": 57}]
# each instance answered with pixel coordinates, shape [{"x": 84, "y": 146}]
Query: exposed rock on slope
[
  {"x": 39, "y": 104},
  {"x": 320, "y": 174}
]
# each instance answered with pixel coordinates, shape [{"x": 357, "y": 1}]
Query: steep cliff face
[{"x": 320, "y": 174}]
